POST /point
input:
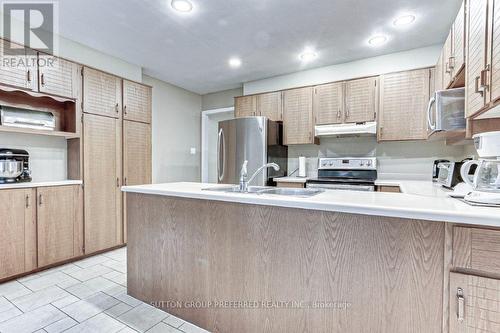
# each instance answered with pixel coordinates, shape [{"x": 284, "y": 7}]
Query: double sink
[{"x": 293, "y": 192}]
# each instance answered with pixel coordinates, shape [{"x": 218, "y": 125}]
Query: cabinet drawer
[{"x": 477, "y": 249}]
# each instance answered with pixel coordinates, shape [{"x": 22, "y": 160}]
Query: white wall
[
  {"x": 221, "y": 99},
  {"x": 400, "y": 61},
  {"x": 176, "y": 129},
  {"x": 47, "y": 154}
]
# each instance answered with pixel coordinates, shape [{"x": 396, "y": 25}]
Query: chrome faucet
[{"x": 244, "y": 174}]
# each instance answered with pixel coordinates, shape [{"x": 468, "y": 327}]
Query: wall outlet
[{"x": 192, "y": 151}]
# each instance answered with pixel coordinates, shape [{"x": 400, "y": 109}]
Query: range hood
[{"x": 356, "y": 129}]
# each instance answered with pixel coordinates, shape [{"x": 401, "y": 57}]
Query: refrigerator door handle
[{"x": 221, "y": 156}]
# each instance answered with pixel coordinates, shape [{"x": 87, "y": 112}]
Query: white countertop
[
  {"x": 40, "y": 184},
  {"x": 291, "y": 179},
  {"x": 419, "y": 200}
]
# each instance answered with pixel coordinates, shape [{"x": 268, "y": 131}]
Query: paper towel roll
[{"x": 302, "y": 166}]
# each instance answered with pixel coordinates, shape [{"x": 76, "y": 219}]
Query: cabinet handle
[
  {"x": 483, "y": 76},
  {"x": 116, "y": 108},
  {"x": 42, "y": 79},
  {"x": 460, "y": 305},
  {"x": 451, "y": 63},
  {"x": 347, "y": 113},
  {"x": 125, "y": 109},
  {"x": 339, "y": 113},
  {"x": 28, "y": 76},
  {"x": 27, "y": 201},
  {"x": 125, "y": 181},
  {"x": 476, "y": 86},
  {"x": 117, "y": 182},
  {"x": 447, "y": 66},
  {"x": 40, "y": 201}
]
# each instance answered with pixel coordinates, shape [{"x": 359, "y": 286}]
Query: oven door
[{"x": 347, "y": 187}]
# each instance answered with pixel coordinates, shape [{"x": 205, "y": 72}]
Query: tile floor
[{"x": 88, "y": 296}]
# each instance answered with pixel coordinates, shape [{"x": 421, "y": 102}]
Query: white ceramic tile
[
  {"x": 143, "y": 317},
  {"x": 91, "y": 261},
  {"x": 116, "y": 277},
  {"x": 190, "y": 328},
  {"x": 47, "y": 280},
  {"x": 101, "y": 323},
  {"x": 81, "y": 290},
  {"x": 61, "y": 325},
  {"x": 33, "y": 320},
  {"x": 65, "y": 301},
  {"x": 90, "y": 272},
  {"x": 128, "y": 299},
  {"x": 127, "y": 330},
  {"x": 116, "y": 265},
  {"x": 87, "y": 308},
  {"x": 39, "y": 298},
  {"x": 119, "y": 255},
  {"x": 95, "y": 285},
  {"x": 9, "y": 314},
  {"x": 5, "y": 304},
  {"x": 118, "y": 309},
  {"x": 28, "y": 277},
  {"x": 163, "y": 328},
  {"x": 173, "y": 321},
  {"x": 13, "y": 289}
]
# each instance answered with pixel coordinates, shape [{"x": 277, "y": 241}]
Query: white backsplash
[
  {"x": 397, "y": 160},
  {"x": 47, "y": 154}
]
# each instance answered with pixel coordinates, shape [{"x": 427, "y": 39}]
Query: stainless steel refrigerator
[{"x": 255, "y": 139}]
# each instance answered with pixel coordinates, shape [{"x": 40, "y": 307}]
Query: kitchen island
[{"x": 339, "y": 261}]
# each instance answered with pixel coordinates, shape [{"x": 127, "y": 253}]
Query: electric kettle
[{"x": 486, "y": 180}]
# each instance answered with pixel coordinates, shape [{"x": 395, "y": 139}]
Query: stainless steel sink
[
  {"x": 236, "y": 189},
  {"x": 295, "y": 192}
]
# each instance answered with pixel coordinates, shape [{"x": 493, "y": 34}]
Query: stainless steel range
[{"x": 358, "y": 174}]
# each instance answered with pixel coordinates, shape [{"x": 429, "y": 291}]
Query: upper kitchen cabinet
[
  {"x": 298, "y": 120},
  {"x": 270, "y": 105},
  {"x": 57, "y": 76},
  {"x": 361, "y": 100},
  {"x": 59, "y": 224},
  {"x": 328, "y": 103},
  {"x": 137, "y": 102},
  {"x": 448, "y": 60},
  {"x": 21, "y": 70},
  {"x": 495, "y": 52},
  {"x": 245, "y": 106},
  {"x": 458, "y": 50},
  {"x": 102, "y": 93},
  {"x": 136, "y": 153},
  {"x": 17, "y": 232},
  {"x": 477, "y": 68},
  {"x": 403, "y": 104}
]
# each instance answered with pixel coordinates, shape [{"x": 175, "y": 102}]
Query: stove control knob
[{"x": 369, "y": 163}]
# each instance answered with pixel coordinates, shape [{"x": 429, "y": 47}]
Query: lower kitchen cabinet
[
  {"x": 474, "y": 304},
  {"x": 59, "y": 224},
  {"x": 17, "y": 232},
  {"x": 102, "y": 137}
]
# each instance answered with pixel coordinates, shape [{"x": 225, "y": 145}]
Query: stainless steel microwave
[{"x": 446, "y": 111}]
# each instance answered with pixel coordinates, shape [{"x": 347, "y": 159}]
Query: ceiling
[{"x": 192, "y": 50}]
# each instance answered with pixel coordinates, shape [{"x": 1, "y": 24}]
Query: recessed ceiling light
[
  {"x": 377, "y": 40},
  {"x": 235, "y": 62},
  {"x": 182, "y": 5},
  {"x": 308, "y": 56},
  {"x": 404, "y": 20}
]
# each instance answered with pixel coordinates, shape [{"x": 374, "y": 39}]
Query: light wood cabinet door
[
  {"x": 269, "y": 105},
  {"x": 137, "y": 102},
  {"x": 361, "y": 100},
  {"x": 57, "y": 76},
  {"x": 458, "y": 58},
  {"x": 403, "y": 105},
  {"x": 495, "y": 51},
  {"x": 102, "y": 176},
  {"x": 102, "y": 93},
  {"x": 245, "y": 106},
  {"x": 448, "y": 59},
  {"x": 476, "y": 57},
  {"x": 298, "y": 116},
  {"x": 60, "y": 225},
  {"x": 18, "y": 70},
  {"x": 136, "y": 153},
  {"x": 17, "y": 232},
  {"x": 474, "y": 304},
  {"x": 439, "y": 73},
  {"x": 328, "y": 103}
]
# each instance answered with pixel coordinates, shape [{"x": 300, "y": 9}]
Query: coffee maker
[{"x": 14, "y": 166}]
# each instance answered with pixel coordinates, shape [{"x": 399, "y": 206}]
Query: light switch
[{"x": 193, "y": 151}]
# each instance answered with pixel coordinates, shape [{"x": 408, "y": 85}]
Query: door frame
[{"x": 205, "y": 118}]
